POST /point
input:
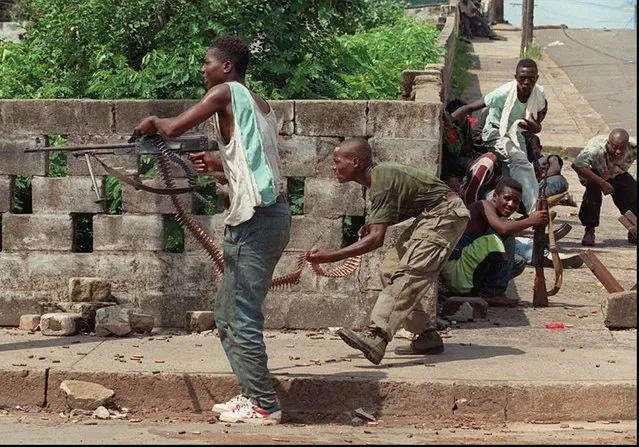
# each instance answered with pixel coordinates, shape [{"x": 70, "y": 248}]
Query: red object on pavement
[{"x": 555, "y": 325}]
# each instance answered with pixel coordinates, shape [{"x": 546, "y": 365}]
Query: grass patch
[{"x": 533, "y": 52}]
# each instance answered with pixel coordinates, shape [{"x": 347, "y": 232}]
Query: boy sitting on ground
[{"x": 484, "y": 259}]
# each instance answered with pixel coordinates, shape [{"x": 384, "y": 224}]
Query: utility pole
[
  {"x": 526, "y": 24},
  {"x": 496, "y": 11}
]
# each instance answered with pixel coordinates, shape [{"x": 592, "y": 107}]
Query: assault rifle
[
  {"x": 540, "y": 293},
  {"x": 172, "y": 147}
]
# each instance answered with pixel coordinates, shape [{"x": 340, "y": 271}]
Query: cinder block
[
  {"x": 214, "y": 228},
  {"x": 89, "y": 289},
  {"x": 620, "y": 310},
  {"x": 330, "y": 118},
  {"x": 51, "y": 195},
  {"x": 285, "y": 112},
  {"x": 128, "y": 233},
  {"x": 313, "y": 310},
  {"x": 421, "y": 153},
  {"x": 58, "y": 116},
  {"x": 129, "y": 113},
  {"x": 127, "y": 164},
  {"x": 169, "y": 308},
  {"x": 308, "y": 232},
  {"x": 13, "y": 304},
  {"x": 86, "y": 311},
  {"x": 144, "y": 202},
  {"x": 141, "y": 323},
  {"x": 25, "y": 232},
  {"x": 452, "y": 304},
  {"x": 60, "y": 323},
  {"x": 16, "y": 162},
  {"x": 404, "y": 119},
  {"x": 298, "y": 155},
  {"x": 330, "y": 199},
  {"x": 5, "y": 194},
  {"x": 324, "y": 162},
  {"x": 29, "y": 322},
  {"x": 198, "y": 321}
]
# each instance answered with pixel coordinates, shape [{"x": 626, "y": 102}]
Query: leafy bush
[{"x": 107, "y": 49}]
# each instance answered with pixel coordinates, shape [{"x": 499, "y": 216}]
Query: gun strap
[
  {"x": 556, "y": 261},
  {"x": 139, "y": 185}
]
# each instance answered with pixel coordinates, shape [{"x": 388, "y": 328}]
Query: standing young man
[
  {"x": 602, "y": 167},
  {"x": 409, "y": 271},
  {"x": 257, "y": 225},
  {"x": 513, "y": 108}
]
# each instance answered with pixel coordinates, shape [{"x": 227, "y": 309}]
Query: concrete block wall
[{"x": 37, "y": 254}]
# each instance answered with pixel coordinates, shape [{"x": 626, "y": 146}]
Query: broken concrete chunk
[
  {"x": 364, "y": 414},
  {"x": 199, "y": 320},
  {"x": 89, "y": 289},
  {"x": 620, "y": 310},
  {"x": 141, "y": 323},
  {"x": 479, "y": 308},
  {"x": 60, "y": 323},
  {"x": 29, "y": 322},
  {"x": 113, "y": 320},
  {"x": 86, "y": 309},
  {"x": 101, "y": 413},
  {"x": 85, "y": 395}
]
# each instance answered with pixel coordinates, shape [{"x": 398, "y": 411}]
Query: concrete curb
[{"x": 332, "y": 400}]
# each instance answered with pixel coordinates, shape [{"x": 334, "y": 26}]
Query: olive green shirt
[{"x": 399, "y": 192}]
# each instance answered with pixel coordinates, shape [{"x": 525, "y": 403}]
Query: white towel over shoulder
[{"x": 534, "y": 103}]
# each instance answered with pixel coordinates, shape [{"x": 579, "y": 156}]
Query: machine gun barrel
[{"x": 183, "y": 144}]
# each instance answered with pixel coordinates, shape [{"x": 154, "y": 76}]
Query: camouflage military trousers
[{"x": 409, "y": 270}]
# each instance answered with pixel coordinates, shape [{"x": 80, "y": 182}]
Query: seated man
[
  {"x": 602, "y": 167},
  {"x": 514, "y": 107},
  {"x": 484, "y": 260},
  {"x": 556, "y": 183},
  {"x": 458, "y": 149}
]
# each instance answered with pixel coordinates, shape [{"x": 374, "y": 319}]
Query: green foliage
[
  {"x": 296, "y": 195},
  {"x": 113, "y": 49},
  {"x": 533, "y": 51},
  {"x": 22, "y": 196},
  {"x": 461, "y": 66},
  {"x": 174, "y": 236},
  {"x": 351, "y": 226},
  {"x": 113, "y": 197},
  {"x": 208, "y": 191}
]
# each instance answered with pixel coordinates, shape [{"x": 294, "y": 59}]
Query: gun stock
[{"x": 540, "y": 293}]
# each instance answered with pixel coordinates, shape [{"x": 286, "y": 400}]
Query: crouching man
[
  {"x": 409, "y": 271},
  {"x": 484, "y": 259}
]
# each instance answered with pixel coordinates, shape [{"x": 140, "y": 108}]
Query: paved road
[
  {"x": 34, "y": 429},
  {"x": 602, "y": 65}
]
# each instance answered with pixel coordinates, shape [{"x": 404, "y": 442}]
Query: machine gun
[
  {"x": 173, "y": 149},
  {"x": 540, "y": 293}
]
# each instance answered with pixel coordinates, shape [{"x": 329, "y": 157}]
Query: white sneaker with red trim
[
  {"x": 231, "y": 405},
  {"x": 251, "y": 413}
]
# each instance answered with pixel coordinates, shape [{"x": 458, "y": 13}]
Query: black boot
[
  {"x": 428, "y": 342},
  {"x": 371, "y": 343}
]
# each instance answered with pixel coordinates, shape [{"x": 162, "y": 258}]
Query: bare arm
[
  {"x": 217, "y": 100},
  {"x": 373, "y": 238},
  {"x": 509, "y": 227},
  {"x": 553, "y": 165},
  {"x": 591, "y": 177},
  {"x": 459, "y": 114}
]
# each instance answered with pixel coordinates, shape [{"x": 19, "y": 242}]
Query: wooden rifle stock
[{"x": 540, "y": 293}]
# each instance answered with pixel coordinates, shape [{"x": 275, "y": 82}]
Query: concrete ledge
[{"x": 331, "y": 399}]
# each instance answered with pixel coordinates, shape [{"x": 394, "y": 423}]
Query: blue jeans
[
  {"x": 251, "y": 252},
  {"x": 492, "y": 276},
  {"x": 556, "y": 184}
]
